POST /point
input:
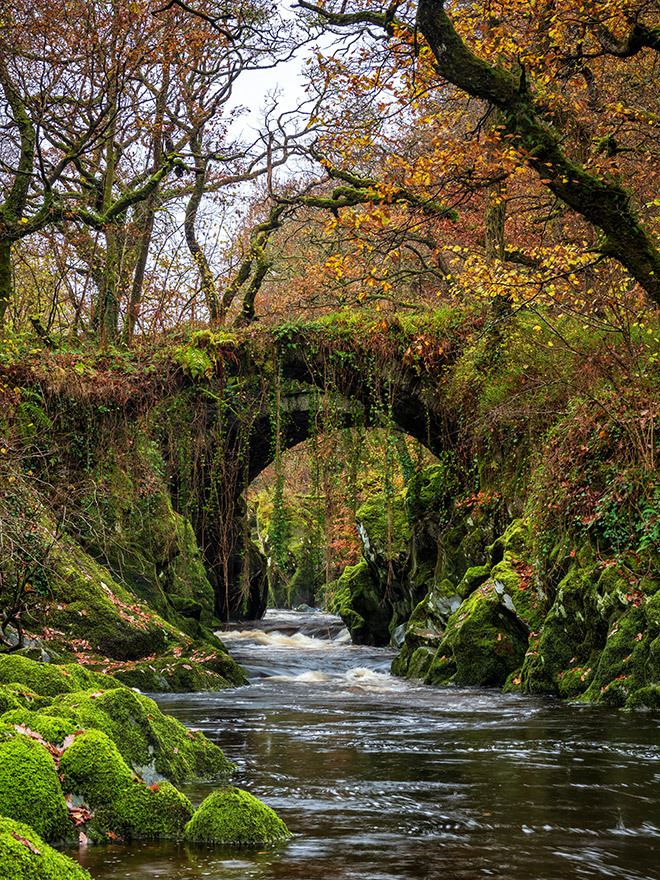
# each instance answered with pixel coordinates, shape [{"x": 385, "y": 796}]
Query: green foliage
[{"x": 201, "y": 356}]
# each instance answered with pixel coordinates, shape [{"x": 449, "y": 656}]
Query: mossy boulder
[
  {"x": 30, "y": 789},
  {"x": 158, "y": 811},
  {"x": 359, "y": 601},
  {"x": 645, "y": 698},
  {"x": 202, "y": 671},
  {"x": 93, "y": 769},
  {"x": 91, "y": 606},
  {"x": 233, "y": 817},
  {"x": 144, "y": 736},
  {"x": 25, "y": 856},
  {"x": 53, "y": 730},
  {"x": 48, "y": 679},
  {"x": 485, "y": 640}
]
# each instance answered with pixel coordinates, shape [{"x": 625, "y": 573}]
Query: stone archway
[{"x": 233, "y": 564}]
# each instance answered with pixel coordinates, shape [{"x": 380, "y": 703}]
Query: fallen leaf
[{"x": 27, "y": 843}]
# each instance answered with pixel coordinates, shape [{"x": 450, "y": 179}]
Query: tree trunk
[
  {"x": 207, "y": 280},
  {"x": 6, "y": 281}
]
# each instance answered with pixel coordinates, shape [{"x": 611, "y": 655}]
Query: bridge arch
[{"x": 275, "y": 409}]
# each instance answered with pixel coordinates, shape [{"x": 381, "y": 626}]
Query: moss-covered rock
[
  {"x": 30, "y": 789},
  {"x": 93, "y": 769},
  {"x": 92, "y": 607},
  {"x": 25, "y": 856},
  {"x": 53, "y": 730},
  {"x": 384, "y": 529},
  {"x": 645, "y": 698},
  {"x": 48, "y": 679},
  {"x": 232, "y": 817},
  {"x": 424, "y": 634},
  {"x": 574, "y": 631},
  {"x": 202, "y": 671},
  {"x": 359, "y": 601},
  {"x": 158, "y": 811},
  {"x": 143, "y": 735},
  {"x": 484, "y": 641},
  {"x": 8, "y": 699}
]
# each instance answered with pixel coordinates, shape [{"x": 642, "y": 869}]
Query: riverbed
[{"x": 384, "y": 779}]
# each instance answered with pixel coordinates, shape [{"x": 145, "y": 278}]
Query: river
[{"x": 384, "y": 779}]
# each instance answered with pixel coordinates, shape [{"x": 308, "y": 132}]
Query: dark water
[{"x": 381, "y": 779}]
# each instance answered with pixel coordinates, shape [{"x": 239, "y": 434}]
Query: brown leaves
[
  {"x": 27, "y": 843},
  {"x": 79, "y": 815},
  {"x": 55, "y": 751}
]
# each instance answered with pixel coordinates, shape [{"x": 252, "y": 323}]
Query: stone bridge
[{"x": 270, "y": 401}]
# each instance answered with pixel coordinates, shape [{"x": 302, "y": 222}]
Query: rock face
[
  {"x": 408, "y": 549},
  {"x": 590, "y": 634},
  {"x": 470, "y": 602}
]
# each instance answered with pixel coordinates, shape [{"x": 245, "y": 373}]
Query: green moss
[
  {"x": 8, "y": 700},
  {"x": 420, "y": 663},
  {"x": 35, "y": 862},
  {"x": 645, "y": 698},
  {"x": 232, "y": 817},
  {"x": 48, "y": 679},
  {"x": 143, "y": 735},
  {"x": 424, "y": 633},
  {"x": 462, "y": 546},
  {"x": 24, "y": 696},
  {"x": 473, "y": 578},
  {"x": 203, "y": 671},
  {"x": 53, "y": 730},
  {"x": 186, "y": 577},
  {"x": 358, "y": 600},
  {"x": 519, "y": 581},
  {"x": 30, "y": 789},
  {"x": 156, "y": 812},
  {"x": 93, "y": 767},
  {"x": 574, "y": 631},
  {"x": 90, "y": 605},
  {"x": 384, "y": 532},
  {"x": 573, "y": 682},
  {"x": 484, "y": 642},
  {"x": 622, "y": 660}
]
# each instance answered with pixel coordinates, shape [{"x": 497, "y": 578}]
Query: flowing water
[{"x": 384, "y": 779}]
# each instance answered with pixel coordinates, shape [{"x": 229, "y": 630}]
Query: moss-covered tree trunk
[{"x": 6, "y": 285}]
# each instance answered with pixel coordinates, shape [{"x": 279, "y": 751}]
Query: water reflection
[{"x": 380, "y": 778}]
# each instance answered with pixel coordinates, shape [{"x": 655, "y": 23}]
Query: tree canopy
[{"x": 506, "y": 151}]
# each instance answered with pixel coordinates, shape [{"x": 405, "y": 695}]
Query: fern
[{"x": 195, "y": 362}]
